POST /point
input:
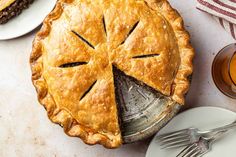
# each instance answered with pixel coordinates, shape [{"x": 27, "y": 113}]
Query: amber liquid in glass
[
  {"x": 228, "y": 71},
  {"x": 224, "y": 70},
  {"x": 233, "y": 69}
]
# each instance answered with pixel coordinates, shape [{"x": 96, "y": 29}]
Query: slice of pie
[
  {"x": 12, "y": 8},
  {"x": 81, "y": 42}
]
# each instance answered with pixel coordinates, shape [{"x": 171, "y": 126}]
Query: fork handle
[{"x": 223, "y": 128}]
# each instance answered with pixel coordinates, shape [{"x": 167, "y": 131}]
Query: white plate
[
  {"x": 28, "y": 20},
  {"x": 202, "y": 118}
]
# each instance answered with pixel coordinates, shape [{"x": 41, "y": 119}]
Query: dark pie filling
[
  {"x": 14, "y": 10},
  {"x": 83, "y": 39},
  {"x": 146, "y": 56},
  {"x": 130, "y": 32},
  {"x": 74, "y": 64},
  {"x": 88, "y": 90}
]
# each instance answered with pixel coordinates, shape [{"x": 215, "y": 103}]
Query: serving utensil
[
  {"x": 201, "y": 147},
  {"x": 189, "y": 136}
]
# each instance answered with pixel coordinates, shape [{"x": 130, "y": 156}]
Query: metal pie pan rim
[{"x": 154, "y": 128}]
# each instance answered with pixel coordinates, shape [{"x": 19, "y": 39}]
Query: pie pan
[
  {"x": 143, "y": 110},
  {"x": 117, "y": 81}
]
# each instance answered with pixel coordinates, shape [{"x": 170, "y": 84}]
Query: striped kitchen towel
[{"x": 224, "y": 11}]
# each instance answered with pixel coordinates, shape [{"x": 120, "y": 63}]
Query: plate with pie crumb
[{"x": 18, "y": 17}]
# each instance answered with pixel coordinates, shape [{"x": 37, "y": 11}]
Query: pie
[
  {"x": 12, "y": 8},
  {"x": 81, "y": 42}
]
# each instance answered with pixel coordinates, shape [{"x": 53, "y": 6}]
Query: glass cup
[{"x": 224, "y": 70}]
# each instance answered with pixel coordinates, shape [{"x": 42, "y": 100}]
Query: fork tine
[
  {"x": 191, "y": 151},
  {"x": 185, "y": 150},
  {"x": 184, "y": 131},
  {"x": 201, "y": 154},
  {"x": 196, "y": 154},
  {"x": 176, "y": 144},
  {"x": 175, "y": 138}
]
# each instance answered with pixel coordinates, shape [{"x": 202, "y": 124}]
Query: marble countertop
[{"x": 25, "y": 130}]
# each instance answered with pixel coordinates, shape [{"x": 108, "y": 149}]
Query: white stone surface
[{"x": 25, "y": 130}]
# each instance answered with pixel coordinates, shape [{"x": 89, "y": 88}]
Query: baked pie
[
  {"x": 80, "y": 44},
  {"x": 12, "y": 8}
]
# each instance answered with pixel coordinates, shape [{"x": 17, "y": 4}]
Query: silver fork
[
  {"x": 200, "y": 148},
  {"x": 188, "y": 136}
]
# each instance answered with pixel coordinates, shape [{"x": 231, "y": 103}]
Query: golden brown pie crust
[
  {"x": 158, "y": 30},
  {"x": 5, "y": 3}
]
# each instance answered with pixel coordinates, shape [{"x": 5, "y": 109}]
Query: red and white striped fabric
[{"x": 224, "y": 11}]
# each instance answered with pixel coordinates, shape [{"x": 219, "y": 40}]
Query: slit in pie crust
[{"x": 80, "y": 42}]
